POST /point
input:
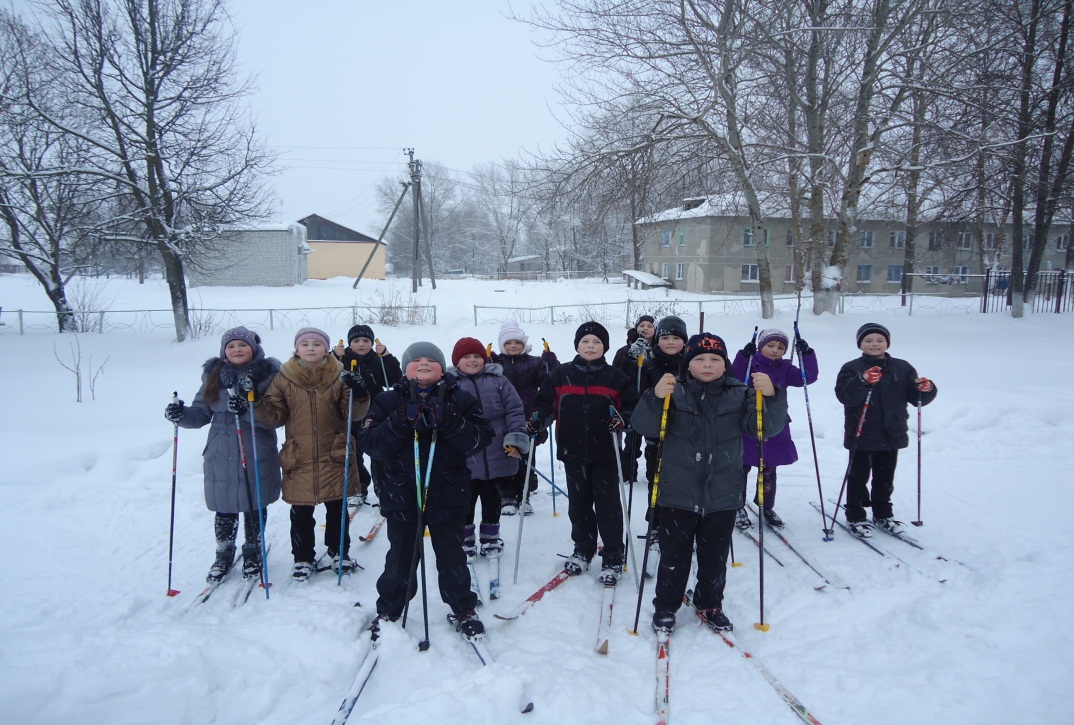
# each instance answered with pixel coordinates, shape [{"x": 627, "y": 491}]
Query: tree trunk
[{"x": 174, "y": 275}]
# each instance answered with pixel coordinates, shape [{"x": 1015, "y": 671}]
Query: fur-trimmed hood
[
  {"x": 318, "y": 378},
  {"x": 490, "y": 368},
  {"x": 260, "y": 368}
]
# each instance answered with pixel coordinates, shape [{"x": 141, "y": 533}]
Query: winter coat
[
  {"x": 369, "y": 366},
  {"x": 504, "y": 411},
  {"x": 312, "y": 405},
  {"x": 527, "y": 373},
  {"x": 779, "y": 450},
  {"x": 229, "y": 488},
  {"x": 388, "y": 436},
  {"x": 701, "y": 458},
  {"x": 886, "y": 427},
  {"x": 577, "y": 395}
]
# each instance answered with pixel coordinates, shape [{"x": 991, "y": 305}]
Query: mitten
[
  {"x": 247, "y": 384},
  {"x": 354, "y": 381},
  {"x": 802, "y": 347},
  {"x": 236, "y": 404},
  {"x": 924, "y": 385},
  {"x": 174, "y": 412},
  {"x": 749, "y": 349}
]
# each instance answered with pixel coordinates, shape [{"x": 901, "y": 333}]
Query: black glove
[
  {"x": 749, "y": 349},
  {"x": 802, "y": 347},
  {"x": 355, "y": 382},
  {"x": 174, "y": 412},
  {"x": 548, "y": 356},
  {"x": 616, "y": 424},
  {"x": 237, "y": 404},
  {"x": 533, "y": 425},
  {"x": 247, "y": 384},
  {"x": 449, "y": 417}
]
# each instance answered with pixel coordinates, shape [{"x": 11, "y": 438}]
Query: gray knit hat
[
  {"x": 313, "y": 333},
  {"x": 671, "y": 325},
  {"x": 423, "y": 349},
  {"x": 869, "y": 328},
  {"x": 240, "y": 333}
]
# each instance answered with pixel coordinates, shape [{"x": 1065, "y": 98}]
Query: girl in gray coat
[
  {"x": 230, "y": 488},
  {"x": 702, "y": 483},
  {"x": 496, "y": 465}
]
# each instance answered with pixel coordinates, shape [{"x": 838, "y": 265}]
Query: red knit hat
[{"x": 467, "y": 346}]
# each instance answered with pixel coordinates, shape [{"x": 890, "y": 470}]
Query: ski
[
  {"x": 901, "y": 537},
  {"x": 604, "y": 628},
  {"x": 494, "y": 578},
  {"x": 521, "y": 609},
  {"x": 663, "y": 677},
  {"x": 757, "y": 542},
  {"x": 373, "y": 531},
  {"x": 475, "y": 586},
  {"x": 829, "y": 579},
  {"x": 248, "y": 586},
  {"x": 846, "y": 528},
  {"x": 482, "y": 651},
  {"x": 369, "y": 662},
  {"x": 211, "y": 587}
]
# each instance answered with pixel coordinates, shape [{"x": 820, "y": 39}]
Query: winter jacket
[
  {"x": 779, "y": 450},
  {"x": 369, "y": 366},
  {"x": 701, "y": 459},
  {"x": 527, "y": 373},
  {"x": 577, "y": 395},
  {"x": 504, "y": 411},
  {"x": 388, "y": 436},
  {"x": 626, "y": 357},
  {"x": 312, "y": 404},
  {"x": 230, "y": 489},
  {"x": 885, "y": 427}
]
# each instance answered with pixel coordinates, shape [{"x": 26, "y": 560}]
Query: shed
[{"x": 339, "y": 251}]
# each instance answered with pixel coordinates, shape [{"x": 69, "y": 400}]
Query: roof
[
  {"x": 645, "y": 278},
  {"x": 525, "y": 258},
  {"x": 319, "y": 229}
]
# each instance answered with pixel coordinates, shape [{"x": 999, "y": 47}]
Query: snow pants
[
  {"x": 769, "y": 485},
  {"x": 488, "y": 492},
  {"x": 881, "y": 464},
  {"x": 679, "y": 531},
  {"x": 303, "y": 531},
  {"x": 594, "y": 507},
  {"x": 398, "y": 583}
]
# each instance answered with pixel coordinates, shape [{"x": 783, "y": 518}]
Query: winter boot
[
  {"x": 772, "y": 519},
  {"x": 663, "y": 621},
  {"x": 251, "y": 560},
  {"x": 525, "y": 509},
  {"x": 301, "y": 571},
  {"x": 609, "y": 574},
  {"x": 742, "y": 519},
  {"x": 715, "y": 619},
  {"x": 861, "y": 529},
  {"x": 890, "y": 525},
  {"x": 226, "y": 527},
  {"x": 469, "y": 542},
  {"x": 349, "y": 564},
  {"x": 354, "y": 504},
  {"x": 508, "y": 507},
  {"x": 374, "y": 626},
  {"x": 491, "y": 543},
  {"x": 468, "y": 624},
  {"x": 577, "y": 564}
]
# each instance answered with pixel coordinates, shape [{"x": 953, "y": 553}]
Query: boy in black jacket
[
  {"x": 894, "y": 385},
  {"x": 580, "y": 396}
]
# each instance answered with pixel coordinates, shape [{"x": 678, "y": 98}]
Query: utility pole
[{"x": 420, "y": 224}]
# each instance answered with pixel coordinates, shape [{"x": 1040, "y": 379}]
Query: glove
[
  {"x": 802, "y": 347},
  {"x": 616, "y": 424},
  {"x": 449, "y": 418},
  {"x": 247, "y": 384},
  {"x": 749, "y": 349},
  {"x": 236, "y": 404},
  {"x": 548, "y": 356},
  {"x": 354, "y": 381},
  {"x": 174, "y": 412},
  {"x": 533, "y": 426},
  {"x": 872, "y": 375},
  {"x": 924, "y": 385}
]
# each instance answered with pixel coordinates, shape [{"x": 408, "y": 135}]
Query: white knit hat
[{"x": 510, "y": 330}]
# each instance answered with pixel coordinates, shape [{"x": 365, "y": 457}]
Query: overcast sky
[{"x": 344, "y": 86}]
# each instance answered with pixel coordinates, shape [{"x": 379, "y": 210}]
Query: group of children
[{"x": 443, "y": 438}]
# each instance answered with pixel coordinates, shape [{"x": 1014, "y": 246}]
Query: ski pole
[
  {"x": 343, "y": 520},
  {"x": 734, "y": 564},
  {"x": 419, "y": 545},
  {"x": 762, "y": 625},
  {"x": 652, "y": 505},
  {"x": 551, "y": 446},
  {"x": 525, "y": 500},
  {"x": 812, "y": 437},
  {"x": 555, "y": 487},
  {"x": 380, "y": 357},
  {"x": 171, "y": 527},
  {"x": 853, "y": 451},
  {"x": 622, "y": 498},
  {"x": 257, "y": 484},
  {"x": 749, "y": 363},
  {"x": 919, "y": 522}
]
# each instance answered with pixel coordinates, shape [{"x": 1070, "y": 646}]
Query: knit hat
[
  {"x": 871, "y": 327},
  {"x": 312, "y": 333},
  {"x": 592, "y": 328},
  {"x": 510, "y": 330},
  {"x": 467, "y": 346},
  {"x": 423, "y": 349},
  {"x": 702, "y": 343},
  {"x": 239, "y": 333},
  {"x": 644, "y": 318},
  {"x": 768, "y": 335},
  {"x": 671, "y": 325},
  {"x": 360, "y": 331}
]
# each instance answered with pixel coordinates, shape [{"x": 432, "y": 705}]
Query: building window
[
  {"x": 865, "y": 273},
  {"x": 867, "y": 239},
  {"x": 932, "y": 271},
  {"x": 895, "y": 272},
  {"x": 790, "y": 238},
  {"x": 680, "y": 270},
  {"x": 768, "y": 237},
  {"x": 1062, "y": 242},
  {"x": 665, "y": 237},
  {"x": 935, "y": 240},
  {"x": 991, "y": 240},
  {"x": 1027, "y": 241},
  {"x": 788, "y": 275},
  {"x": 960, "y": 274},
  {"x": 664, "y": 271},
  {"x": 964, "y": 239},
  {"x": 898, "y": 240},
  {"x": 747, "y": 237},
  {"x": 832, "y": 236},
  {"x": 749, "y": 273},
  {"x": 682, "y": 238}
]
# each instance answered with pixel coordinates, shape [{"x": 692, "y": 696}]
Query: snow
[{"x": 90, "y": 637}]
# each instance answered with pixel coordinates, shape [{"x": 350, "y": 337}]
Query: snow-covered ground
[{"x": 88, "y": 635}]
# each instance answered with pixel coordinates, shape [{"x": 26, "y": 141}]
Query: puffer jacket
[
  {"x": 504, "y": 411},
  {"x": 701, "y": 460},
  {"x": 886, "y": 426},
  {"x": 373, "y": 368},
  {"x": 229, "y": 488},
  {"x": 312, "y": 405},
  {"x": 388, "y": 436},
  {"x": 527, "y": 373},
  {"x": 779, "y": 450}
]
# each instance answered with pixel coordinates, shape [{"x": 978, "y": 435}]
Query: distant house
[
  {"x": 529, "y": 265},
  {"x": 270, "y": 256},
  {"x": 341, "y": 252}
]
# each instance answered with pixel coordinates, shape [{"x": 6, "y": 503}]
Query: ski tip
[
  {"x": 762, "y": 626},
  {"x": 528, "y": 708},
  {"x": 505, "y": 617},
  {"x": 173, "y": 592}
]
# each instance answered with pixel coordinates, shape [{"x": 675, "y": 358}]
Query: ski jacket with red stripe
[{"x": 577, "y": 395}]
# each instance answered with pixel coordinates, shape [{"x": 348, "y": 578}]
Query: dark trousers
[
  {"x": 303, "y": 528},
  {"x": 769, "y": 486},
  {"x": 453, "y": 576},
  {"x": 679, "y": 531},
  {"x": 511, "y": 487},
  {"x": 594, "y": 507},
  {"x": 652, "y": 463},
  {"x": 358, "y": 461},
  {"x": 881, "y": 464},
  {"x": 488, "y": 492},
  {"x": 630, "y": 454}
]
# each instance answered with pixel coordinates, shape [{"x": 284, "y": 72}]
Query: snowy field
[{"x": 89, "y": 635}]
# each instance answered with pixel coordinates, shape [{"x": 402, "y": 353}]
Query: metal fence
[{"x": 1053, "y": 293}]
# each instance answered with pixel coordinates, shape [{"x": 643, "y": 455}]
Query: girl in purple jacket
[
  {"x": 766, "y": 356},
  {"x": 497, "y": 464}
]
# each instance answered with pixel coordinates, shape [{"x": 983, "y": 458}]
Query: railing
[{"x": 1053, "y": 293}]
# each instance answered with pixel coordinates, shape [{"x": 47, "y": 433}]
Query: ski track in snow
[{"x": 90, "y": 637}]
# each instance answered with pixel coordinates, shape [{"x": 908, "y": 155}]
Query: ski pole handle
[{"x": 545, "y": 342}]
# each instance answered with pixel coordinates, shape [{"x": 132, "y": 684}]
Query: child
[
  {"x": 426, "y": 414},
  {"x": 581, "y": 396},
  {"x": 230, "y": 487},
  {"x": 894, "y": 384},
  {"x": 702, "y": 481},
  {"x": 497, "y": 464},
  {"x": 639, "y": 343},
  {"x": 527, "y": 373},
  {"x": 310, "y": 396},
  {"x": 767, "y": 357},
  {"x": 379, "y": 370}
]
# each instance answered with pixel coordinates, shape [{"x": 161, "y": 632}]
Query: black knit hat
[
  {"x": 592, "y": 328},
  {"x": 671, "y": 325},
  {"x": 702, "y": 343},
  {"x": 360, "y": 331},
  {"x": 871, "y": 327},
  {"x": 645, "y": 318}
]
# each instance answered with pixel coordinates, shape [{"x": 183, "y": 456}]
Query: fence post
[
  {"x": 20, "y": 323},
  {"x": 910, "y": 307},
  {"x": 270, "y": 320},
  {"x": 354, "y": 317},
  {"x": 552, "y": 314},
  {"x": 434, "y": 322},
  {"x": 100, "y": 322},
  {"x": 984, "y": 294},
  {"x": 475, "y": 325},
  {"x": 1060, "y": 283}
]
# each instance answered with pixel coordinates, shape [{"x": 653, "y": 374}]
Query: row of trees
[{"x": 123, "y": 137}]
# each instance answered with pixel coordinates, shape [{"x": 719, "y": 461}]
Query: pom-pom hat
[{"x": 467, "y": 346}]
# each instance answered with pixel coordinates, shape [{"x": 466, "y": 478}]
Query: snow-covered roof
[
  {"x": 645, "y": 278},
  {"x": 524, "y": 258}
]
